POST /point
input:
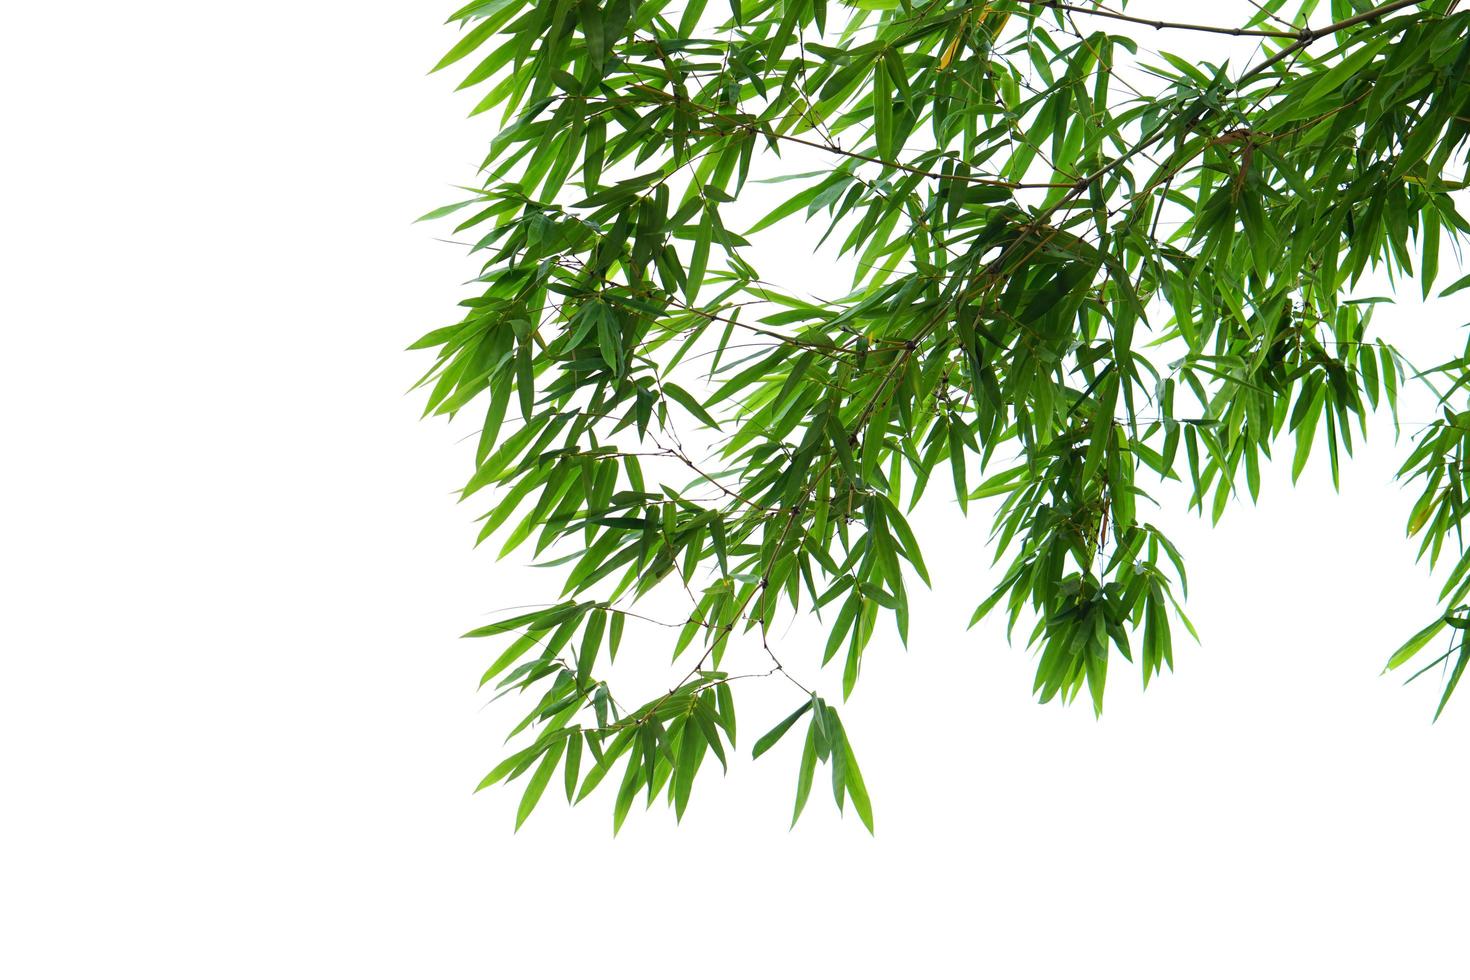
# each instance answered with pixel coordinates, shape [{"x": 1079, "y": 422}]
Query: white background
[{"x": 239, "y": 735}]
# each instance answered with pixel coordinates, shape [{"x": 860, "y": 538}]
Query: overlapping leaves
[{"x": 1081, "y": 269}]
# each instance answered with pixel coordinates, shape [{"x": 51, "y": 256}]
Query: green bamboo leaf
[
  {"x": 476, "y": 37},
  {"x": 690, "y": 403},
  {"x": 538, "y": 782},
  {"x": 573, "y": 765},
  {"x": 1415, "y": 643},
  {"x": 856, "y": 790},
  {"x": 1455, "y": 287},
  {"x": 773, "y": 736},
  {"x": 691, "y": 742},
  {"x": 806, "y": 772}
]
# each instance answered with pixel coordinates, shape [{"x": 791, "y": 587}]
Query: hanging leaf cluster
[{"x": 1083, "y": 269}]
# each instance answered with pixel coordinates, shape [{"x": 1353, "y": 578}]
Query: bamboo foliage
[{"x": 1081, "y": 268}]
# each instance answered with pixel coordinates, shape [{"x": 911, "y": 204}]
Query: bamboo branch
[{"x": 1161, "y": 25}]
